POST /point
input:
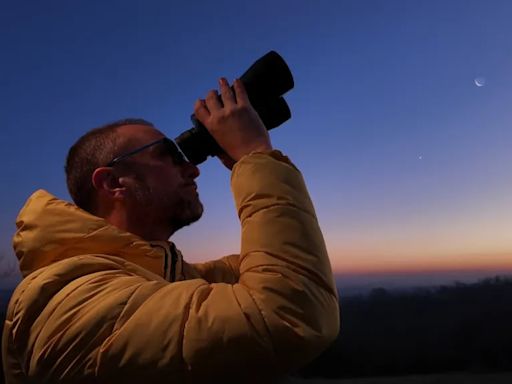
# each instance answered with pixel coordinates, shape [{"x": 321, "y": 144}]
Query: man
[{"x": 106, "y": 298}]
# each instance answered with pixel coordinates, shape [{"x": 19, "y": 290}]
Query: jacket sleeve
[
  {"x": 284, "y": 263},
  {"x": 223, "y": 270}
]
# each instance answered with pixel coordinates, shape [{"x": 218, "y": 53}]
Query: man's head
[{"x": 149, "y": 192}]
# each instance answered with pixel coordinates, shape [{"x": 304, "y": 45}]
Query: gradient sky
[{"x": 407, "y": 158}]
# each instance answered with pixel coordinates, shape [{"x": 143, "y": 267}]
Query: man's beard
[
  {"x": 176, "y": 211},
  {"x": 185, "y": 212}
]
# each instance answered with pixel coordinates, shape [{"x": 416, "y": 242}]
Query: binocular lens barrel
[
  {"x": 265, "y": 82},
  {"x": 268, "y": 76}
]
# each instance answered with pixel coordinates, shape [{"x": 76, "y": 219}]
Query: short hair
[{"x": 91, "y": 151}]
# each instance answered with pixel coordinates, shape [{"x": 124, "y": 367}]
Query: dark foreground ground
[{"x": 448, "y": 378}]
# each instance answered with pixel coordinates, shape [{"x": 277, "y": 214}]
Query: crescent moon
[{"x": 480, "y": 81}]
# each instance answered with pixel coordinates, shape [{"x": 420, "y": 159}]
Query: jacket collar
[{"x": 50, "y": 230}]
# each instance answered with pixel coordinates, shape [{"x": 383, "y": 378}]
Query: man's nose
[{"x": 190, "y": 170}]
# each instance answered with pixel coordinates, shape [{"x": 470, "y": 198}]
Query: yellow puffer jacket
[{"x": 99, "y": 305}]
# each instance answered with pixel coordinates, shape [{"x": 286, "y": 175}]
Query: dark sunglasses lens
[{"x": 175, "y": 153}]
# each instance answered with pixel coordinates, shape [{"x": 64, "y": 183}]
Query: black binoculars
[{"x": 266, "y": 81}]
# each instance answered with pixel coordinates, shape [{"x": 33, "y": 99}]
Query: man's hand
[{"x": 233, "y": 123}]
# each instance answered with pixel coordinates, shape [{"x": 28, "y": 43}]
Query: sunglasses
[{"x": 177, "y": 156}]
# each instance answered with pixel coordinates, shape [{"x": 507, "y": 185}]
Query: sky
[{"x": 401, "y": 118}]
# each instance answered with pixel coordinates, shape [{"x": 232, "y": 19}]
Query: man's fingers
[
  {"x": 241, "y": 94},
  {"x": 212, "y": 101},
  {"x": 201, "y": 112},
  {"x": 228, "y": 98}
]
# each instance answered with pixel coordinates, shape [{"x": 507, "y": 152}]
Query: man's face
[{"x": 160, "y": 191}]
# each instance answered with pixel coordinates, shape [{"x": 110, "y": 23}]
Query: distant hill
[{"x": 361, "y": 284}]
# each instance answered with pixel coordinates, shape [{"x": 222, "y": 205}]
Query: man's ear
[{"x": 106, "y": 182}]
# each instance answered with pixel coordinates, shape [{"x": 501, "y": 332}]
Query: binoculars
[{"x": 266, "y": 81}]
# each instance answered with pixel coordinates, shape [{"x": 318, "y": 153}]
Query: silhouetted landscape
[
  {"x": 461, "y": 327},
  {"x": 453, "y": 328},
  {"x": 4, "y": 300}
]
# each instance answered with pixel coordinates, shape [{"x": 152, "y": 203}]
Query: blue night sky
[{"x": 401, "y": 117}]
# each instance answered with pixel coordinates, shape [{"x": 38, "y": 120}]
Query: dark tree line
[
  {"x": 464, "y": 327},
  {"x": 4, "y": 298}
]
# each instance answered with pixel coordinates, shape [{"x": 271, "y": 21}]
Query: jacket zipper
[
  {"x": 166, "y": 263},
  {"x": 174, "y": 261}
]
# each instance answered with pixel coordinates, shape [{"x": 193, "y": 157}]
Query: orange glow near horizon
[
  {"x": 352, "y": 264},
  {"x": 370, "y": 261}
]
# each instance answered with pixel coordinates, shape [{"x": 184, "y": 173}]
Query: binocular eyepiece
[{"x": 266, "y": 81}]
